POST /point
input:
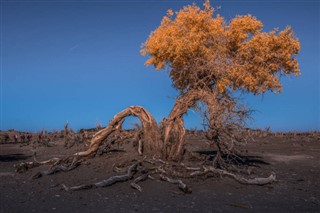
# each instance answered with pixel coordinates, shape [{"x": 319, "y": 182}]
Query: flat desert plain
[{"x": 294, "y": 158}]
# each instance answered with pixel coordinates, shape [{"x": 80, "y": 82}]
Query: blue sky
[{"x": 79, "y": 62}]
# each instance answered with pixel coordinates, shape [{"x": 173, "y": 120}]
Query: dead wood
[
  {"x": 23, "y": 167},
  {"x": 108, "y": 182},
  {"x": 253, "y": 181},
  {"x": 57, "y": 167},
  {"x": 140, "y": 147},
  {"x": 240, "y": 179},
  {"x": 182, "y": 186},
  {"x": 134, "y": 183}
]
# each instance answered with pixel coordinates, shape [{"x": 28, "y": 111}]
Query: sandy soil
[{"x": 296, "y": 162}]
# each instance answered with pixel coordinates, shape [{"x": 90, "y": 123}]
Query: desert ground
[{"x": 293, "y": 157}]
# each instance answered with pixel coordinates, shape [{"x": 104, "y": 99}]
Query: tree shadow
[
  {"x": 248, "y": 160},
  {"x": 13, "y": 157}
]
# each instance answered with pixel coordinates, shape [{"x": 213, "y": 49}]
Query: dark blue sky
[{"x": 79, "y": 61}]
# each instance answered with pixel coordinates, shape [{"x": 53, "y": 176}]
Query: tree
[
  {"x": 204, "y": 52},
  {"x": 208, "y": 59}
]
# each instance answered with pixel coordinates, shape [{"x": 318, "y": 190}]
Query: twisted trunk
[
  {"x": 152, "y": 143},
  {"x": 170, "y": 145},
  {"x": 174, "y": 130}
]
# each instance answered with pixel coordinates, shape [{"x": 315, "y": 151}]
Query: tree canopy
[{"x": 203, "y": 50}]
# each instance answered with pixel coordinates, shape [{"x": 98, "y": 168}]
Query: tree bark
[{"x": 174, "y": 129}]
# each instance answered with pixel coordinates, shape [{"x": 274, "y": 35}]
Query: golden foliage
[{"x": 204, "y": 51}]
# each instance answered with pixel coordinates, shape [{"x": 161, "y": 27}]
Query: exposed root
[
  {"x": 134, "y": 183},
  {"x": 116, "y": 169},
  {"x": 190, "y": 168},
  {"x": 57, "y": 167},
  {"x": 149, "y": 161},
  {"x": 160, "y": 169},
  {"x": 140, "y": 147},
  {"x": 168, "y": 171},
  {"x": 158, "y": 160},
  {"x": 182, "y": 186},
  {"x": 242, "y": 180},
  {"x": 218, "y": 161},
  {"x": 75, "y": 188},
  {"x": 108, "y": 182},
  {"x": 253, "y": 181},
  {"x": 112, "y": 180},
  {"x": 23, "y": 167},
  {"x": 50, "y": 161}
]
